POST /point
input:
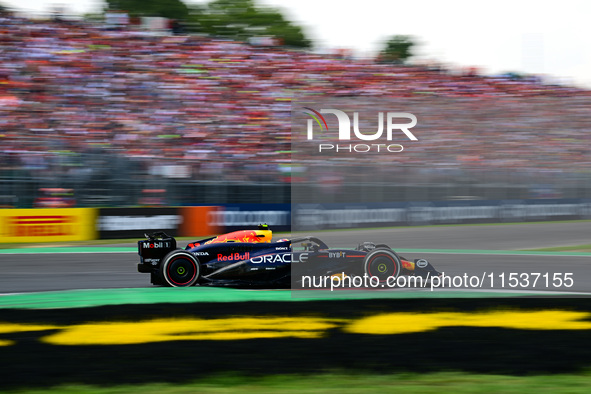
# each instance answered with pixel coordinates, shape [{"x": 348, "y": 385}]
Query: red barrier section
[{"x": 196, "y": 223}]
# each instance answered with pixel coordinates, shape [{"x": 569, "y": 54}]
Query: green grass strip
[
  {"x": 155, "y": 295},
  {"x": 574, "y": 248},
  {"x": 454, "y": 382}
]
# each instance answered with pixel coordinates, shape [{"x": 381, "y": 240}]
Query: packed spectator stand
[{"x": 85, "y": 103}]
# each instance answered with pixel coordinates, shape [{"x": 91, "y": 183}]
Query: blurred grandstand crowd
[{"x": 220, "y": 110}]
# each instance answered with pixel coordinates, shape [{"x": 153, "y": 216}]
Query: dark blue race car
[{"x": 249, "y": 258}]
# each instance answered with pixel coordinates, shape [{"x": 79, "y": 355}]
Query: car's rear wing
[{"x": 155, "y": 246}]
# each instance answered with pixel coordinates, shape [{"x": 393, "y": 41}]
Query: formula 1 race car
[{"x": 249, "y": 258}]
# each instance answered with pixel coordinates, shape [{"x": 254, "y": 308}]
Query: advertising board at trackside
[
  {"x": 359, "y": 215},
  {"x": 190, "y": 221},
  {"x": 47, "y": 225},
  {"x": 79, "y": 224}
]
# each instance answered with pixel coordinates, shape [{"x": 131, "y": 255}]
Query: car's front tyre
[
  {"x": 179, "y": 268},
  {"x": 382, "y": 263}
]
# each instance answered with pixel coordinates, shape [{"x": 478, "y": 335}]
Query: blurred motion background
[
  {"x": 161, "y": 102},
  {"x": 186, "y": 107}
]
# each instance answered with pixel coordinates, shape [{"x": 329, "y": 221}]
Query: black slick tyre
[
  {"x": 382, "y": 263},
  {"x": 179, "y": 268}
]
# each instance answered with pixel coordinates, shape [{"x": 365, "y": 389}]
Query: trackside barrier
[
  {"x": 47, "y": 225},
  {"x": 359, "y": 215},
  {"x": 80, "y": 224},
  {"x": 233, "y": 217},
  {"x": 195, "y": 221},
  {"x": 114, "y": 223},
  {"x": 190, "y": 221},
  {"x": 120, "y": 223}
]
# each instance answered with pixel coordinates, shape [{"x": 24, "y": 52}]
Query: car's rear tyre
[
  {"x": 179, "y": 268},
  {"x": 382, "y": 263}
]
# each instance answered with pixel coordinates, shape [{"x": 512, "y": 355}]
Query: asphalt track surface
[
  {"x": 487, "y": 237},
  {"x": 65, "y": 271}
]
